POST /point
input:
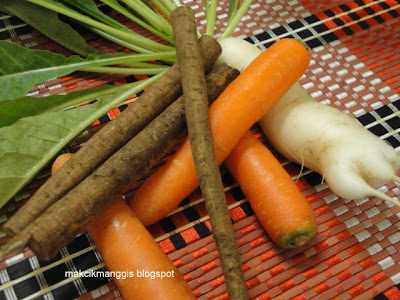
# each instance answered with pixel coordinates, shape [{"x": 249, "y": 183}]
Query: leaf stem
[
  {"x": 97, "y": 15},
  {"x": 211, "y": 16},
  {"x": 162, "y": 8},
  {"x": 142, "y": 41},
  {"x": 94, "y": 95},
  {"x": 169, "y": 5},
  {"x": 127, "y": 71},
  {"x": 118, "y": 40},
  {"x": 233, "y": 5},
  {"x": 236, "y": 19},
  {"x": 126, "y": 13},
  {"x": 151, "y": 16}
]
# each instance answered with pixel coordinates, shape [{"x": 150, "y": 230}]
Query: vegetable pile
[{"x": 207, "y": 96}]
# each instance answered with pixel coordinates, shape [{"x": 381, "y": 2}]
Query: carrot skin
[
  {"x": 126, "y": 246},
  {"x": 277, "y": 202},
  {"x": 242, "y": 104}
]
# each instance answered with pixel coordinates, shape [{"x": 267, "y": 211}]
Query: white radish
[{"x": 352, "y": 160}]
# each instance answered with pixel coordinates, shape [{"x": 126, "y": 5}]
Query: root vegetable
[
  {"x": 241, "y": 105},
  {"x": 276, "y": 200},
  {"x": 130, "y": 252},
  {"x": 60, "y": 161},
  {"x": 108, "y": 140},
  {"x": 126, "y": 245},
  {"x": 352, "y": 160},
  {"x": 202, "y": 147},
  {"x": 62, "y": 221}
]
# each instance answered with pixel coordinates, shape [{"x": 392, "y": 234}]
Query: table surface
[{"x": 355, "y": 52}]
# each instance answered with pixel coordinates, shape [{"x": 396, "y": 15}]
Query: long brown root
[
  {"x": 69, "y": 216},
  {"x": 108, "y": 140},
  {"x": 196, "y": 110}
]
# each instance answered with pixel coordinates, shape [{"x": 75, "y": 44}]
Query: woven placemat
[{"x": 355, "y": 53}]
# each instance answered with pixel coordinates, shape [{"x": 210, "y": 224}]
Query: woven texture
[{"x": 355, "y": 54}]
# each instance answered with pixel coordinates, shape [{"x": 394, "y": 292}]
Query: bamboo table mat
[{"x": 355, "y": 62}]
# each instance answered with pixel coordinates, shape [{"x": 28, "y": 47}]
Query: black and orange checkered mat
[{"x": 355, "y": 52}]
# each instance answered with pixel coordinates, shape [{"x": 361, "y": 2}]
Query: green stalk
[
  {"x": 233, "y": 5},
  {"x": 152, "y": 17},
  {"x": 236, "y": 19},
  {"x": 142, "y": 64},
  {"x": 100, "y": 18},
  {"x": 137, "y": 20},
  {"x": 125, "y": 71},
  {"x": 162, "y": 9},
  {"x": 169, "y": 5},
  {"x": 133, "y": 90},
  {"x": 144, "y": 42},
  {"x": 131, "y": 58},
  {"x": 95, "y": 95},
  {"x": 177, "y": 3},
  {"x": 211, "y": 16},
  {"x": 127, "y": 45},
  {"x": 117, "y": 40}
]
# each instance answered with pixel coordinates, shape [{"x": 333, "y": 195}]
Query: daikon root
[{"x": 353, "y": 161}]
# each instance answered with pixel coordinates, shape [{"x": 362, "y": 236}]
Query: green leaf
[
  {"x": 26, "y": 146},
  {"x": 13, "y": 110},
  {"x": 48, "y": 23},
  {"x": 30, "y": 143},
  {"x": 21, "y": 68}
]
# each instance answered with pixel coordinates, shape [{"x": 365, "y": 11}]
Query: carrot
[
  {"x": 60, "y": 161},
  {"x": 63, "y": 220},
  {"x": 126, "y": 246},
  {"x": 277, "y": 202},
  {"x": 108, "y": 140},
  {"x": 207, "y": 170},
  {"x": 241, "y": 105},
  {"x": 141, "y": 269}
]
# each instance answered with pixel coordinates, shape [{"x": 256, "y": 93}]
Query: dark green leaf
[{"x": 48, "y": 23}]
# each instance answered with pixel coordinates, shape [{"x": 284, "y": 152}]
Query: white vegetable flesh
[{"x": 352, "y": 160}]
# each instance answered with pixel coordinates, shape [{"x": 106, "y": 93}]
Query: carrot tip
[{"x": 298, "y": 238}]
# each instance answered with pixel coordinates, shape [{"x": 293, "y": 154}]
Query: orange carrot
[
  {"x": 243, "y": 103},
  {"x": 277, "y": 202},
  {"x": 127, "y": 246},
  {"x": 141, "y": 269},
  {"x": 60, "y": 161}
]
